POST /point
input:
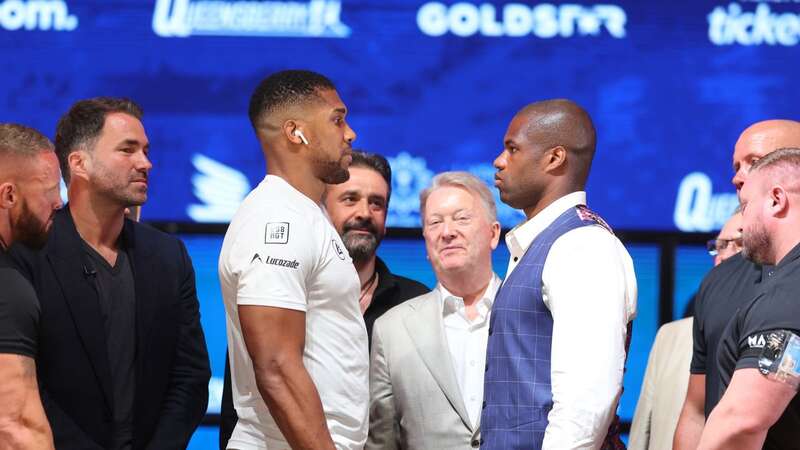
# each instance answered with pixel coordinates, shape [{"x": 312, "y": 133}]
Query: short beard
[
  {"x": 331, "y": 172},
  {"x": 757, "y": 245},
  {"x": 29, "y": 230},
  {"x": 360, "y": 246}
]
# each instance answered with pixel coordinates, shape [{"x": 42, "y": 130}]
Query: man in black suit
[
  {"x": 122, "y": 360},
  {"x": 357, "y": 209}
]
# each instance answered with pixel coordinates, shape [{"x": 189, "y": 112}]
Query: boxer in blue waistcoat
[{"x": 560, "y": 325}]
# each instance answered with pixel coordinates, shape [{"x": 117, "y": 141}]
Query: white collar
[
  {"x": 520, "y": 237},
  {"x": 485, "y": 302}
]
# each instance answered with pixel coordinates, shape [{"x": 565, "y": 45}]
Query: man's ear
[
  {"x": 8, "y": 195},
  {"x": 79, "y": 164},
  {"x": 555, "y": 158},
  {"x": 495, "y": 234},
  {"x": 290, "y": 128},
  {"x": 778, "y": 201}
]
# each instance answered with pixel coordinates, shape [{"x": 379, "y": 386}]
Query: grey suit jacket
[
  {"x": 663, "y": 389},
  {"x": 415, "y": 402}
]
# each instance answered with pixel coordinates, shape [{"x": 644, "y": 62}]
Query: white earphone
[{"x": 299, "y": 134}]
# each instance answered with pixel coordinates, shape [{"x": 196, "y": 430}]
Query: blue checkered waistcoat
[{"x": 517, "y": 393}]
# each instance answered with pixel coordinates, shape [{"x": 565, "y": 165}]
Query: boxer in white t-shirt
[{"x": 297, "y": 340}]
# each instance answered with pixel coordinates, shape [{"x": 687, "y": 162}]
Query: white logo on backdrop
[
  {"x": 733, "y": 25},
  {"x": 544, "y": 20},
  {"x": 697, "y": 208},
  {"x": 410, "y": 175},
  {"x": 221, "y": 189},
  {"x": 184, "y": 18},
  {"x": 40, "y": 15}
]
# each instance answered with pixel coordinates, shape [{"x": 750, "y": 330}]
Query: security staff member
[{"x": 759, "y": 356}]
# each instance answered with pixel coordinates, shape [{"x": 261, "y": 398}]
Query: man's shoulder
[
  {"x": 409, "y": 288},
  {"x": 148, "y": 235},
  {"x": 730, "y": 269},
  {"x": 725, "y": 280},
  {"x": 397, "y": 314}
]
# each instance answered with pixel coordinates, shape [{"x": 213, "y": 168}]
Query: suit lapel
[
  {"x": 145, "y": 279},
  {"x": 427, "y": 334},
  {"x": 68, "y": 261}
]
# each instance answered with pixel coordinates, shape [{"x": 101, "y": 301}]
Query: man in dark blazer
[{"x": 122, "y": 360}]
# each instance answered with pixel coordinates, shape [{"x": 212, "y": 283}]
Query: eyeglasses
[{"x": 714, "y": 246}]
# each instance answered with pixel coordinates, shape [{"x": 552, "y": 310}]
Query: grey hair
[{"x": 463, "y": 180}]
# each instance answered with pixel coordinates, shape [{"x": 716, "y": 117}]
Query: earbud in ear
[{"x": 302, "y": 137}]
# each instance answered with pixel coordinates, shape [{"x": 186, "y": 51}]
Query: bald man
[
  {"x": 560, "y": 324},
  {"x": 726, "y": 288},
  {"x": 297, "y": 340}
]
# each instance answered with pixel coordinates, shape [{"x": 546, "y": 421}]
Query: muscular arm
[
  {"x": 751, "y": 405},
  {"x": 275, "y": 338},
  {"x": 23, "y": 424},
  {"x": 692, "y": 418}
]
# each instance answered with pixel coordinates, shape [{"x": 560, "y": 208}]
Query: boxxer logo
[
  {"x": 36, "y": 15},
  {"x": 184, "y": 18}
]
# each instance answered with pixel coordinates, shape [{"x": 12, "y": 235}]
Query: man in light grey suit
[{"x": 428, "y": 354}]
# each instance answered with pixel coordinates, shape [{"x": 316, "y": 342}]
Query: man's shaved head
[
  {"x": 760, "y": 139},
  {"x": 547, "y": 152},
  {"x": 562, "y": 122}
]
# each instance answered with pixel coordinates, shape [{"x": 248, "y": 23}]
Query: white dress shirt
[
  {"x": 589, "y": 286},
  {"x": 467, "y": 340}
]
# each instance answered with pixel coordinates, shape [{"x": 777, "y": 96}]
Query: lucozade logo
[
  {"x": 544, "y": 20},
  {"x": 36, "y": 15},
  {"x": 184, "y": 18}
]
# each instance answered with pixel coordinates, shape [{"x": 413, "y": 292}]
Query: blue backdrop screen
[{"x": 433, "y": 85}]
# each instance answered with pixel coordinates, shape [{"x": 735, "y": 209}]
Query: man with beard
[
  {"x": 122, "y": 361},
  {"x": 725, "y": 289},
  {"x": 357, "y": 209},
  {"x": 29, "y": 196},
  {"x": 561, "y": 322},
  {"x": 297, "y": 341},
  {"x": 759, "y": 354}
]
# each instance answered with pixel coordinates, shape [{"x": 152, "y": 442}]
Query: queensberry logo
[
  {"x": 697, "y": 208},
  {"x": 733, "y": 25},
  {"x": 184, "y": 18},
  {"x": 41, "y": 15},
  {"x": 543, "y": 20}
]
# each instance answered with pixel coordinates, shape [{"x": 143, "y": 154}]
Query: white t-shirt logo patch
[
  {"x": 339, "y": 251},
  {"x": 276, "y": 233}
]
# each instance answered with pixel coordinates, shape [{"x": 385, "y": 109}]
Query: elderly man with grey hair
[{"x": 428, "y": 354}]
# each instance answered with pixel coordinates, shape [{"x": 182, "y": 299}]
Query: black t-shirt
[
  {"x": 19, "y": 311},
  {"x": 777, "y": 307},
  {"x": 116, "y": 292},
  {"x": 724, "y": 290}
]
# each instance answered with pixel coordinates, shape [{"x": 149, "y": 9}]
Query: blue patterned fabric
[{"x": 517, "y": 391}]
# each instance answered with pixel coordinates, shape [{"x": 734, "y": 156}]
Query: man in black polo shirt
[
  {"x": 759, "y": 356},
  {"x": 725, "y": 289},
  {"x": 29, "y": 196}
]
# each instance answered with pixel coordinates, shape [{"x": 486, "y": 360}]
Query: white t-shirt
[{"x": 281, "y": 250}]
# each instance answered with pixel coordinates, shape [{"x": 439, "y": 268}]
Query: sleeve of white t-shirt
[{"x": 264, "y": 278}]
